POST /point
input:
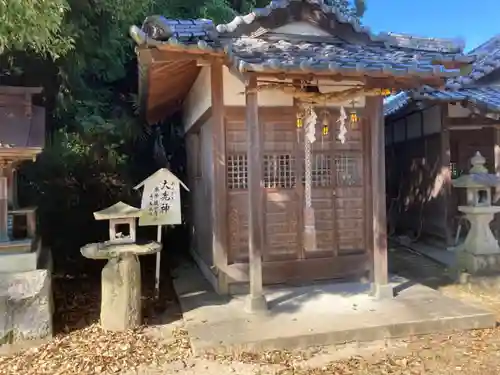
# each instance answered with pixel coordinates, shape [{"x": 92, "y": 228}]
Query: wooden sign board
[{"x": 161, "y": 199}]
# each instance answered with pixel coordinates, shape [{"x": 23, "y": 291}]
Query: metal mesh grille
[
  {"x": 321, "y": 173},
  {"x": 237, "y": 171},
  {"x": 347, "y": 171},
  {"x": 279, "y": 171}
]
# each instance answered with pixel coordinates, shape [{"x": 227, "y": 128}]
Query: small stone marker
[{"x": 121, "y": 277}]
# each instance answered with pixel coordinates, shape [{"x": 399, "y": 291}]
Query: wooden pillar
[
  {"x": 31, "y": 223},
  {"x": 496, "y": 152},
  {"x": 11, "y": 174},
  {"x": 446, "y": 172},
  {"x": 256, "y": 299},
  {"x": 4, "y": 209},
  {"x": 374, "y": 111},
  {"x": 368, "y": 193},
  {"x": 219, "y": 190}
]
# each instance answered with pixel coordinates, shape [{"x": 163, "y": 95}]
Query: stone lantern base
[
  {"x": 121, "y": 293},
  {"x": 121, "y": 282},
  {"x": 478, "y": 263}
]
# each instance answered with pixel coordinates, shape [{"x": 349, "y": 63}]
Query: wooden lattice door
[
  {"x": 282, "y": 198},
  {"x": 338, "y": 196}
]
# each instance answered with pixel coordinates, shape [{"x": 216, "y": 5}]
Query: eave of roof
[
  {"x": 487, "y": 61},
  {"x": 19, "y": 90},
  {"x": 463, "y": 87},
  {"x": 282, "y": 56},
  {"x": 487, "y": 98}
]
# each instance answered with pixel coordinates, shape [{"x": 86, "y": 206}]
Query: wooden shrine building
[
  {"x": 431, "y": 134},
  {"x": 283, "y": 117}
]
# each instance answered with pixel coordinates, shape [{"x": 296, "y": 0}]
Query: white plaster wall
[
  {"x": 234, "y": 93},
  {"x": 301, "y": 28},
  {"x": 199, "y": 98},
  {"x": 414, "y": 126},
  {"x": 456, "y": 110},
  {"x": 432, "y": 120}
]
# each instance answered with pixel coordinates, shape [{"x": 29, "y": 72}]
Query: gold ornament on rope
[
  {"x": 325, "y": 121},
  {"x": 353, "y": 117}
]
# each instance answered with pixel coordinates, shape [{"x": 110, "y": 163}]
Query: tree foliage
[
  {"x": 80, "y": 52},
  {"x": 34, "y": 25}
]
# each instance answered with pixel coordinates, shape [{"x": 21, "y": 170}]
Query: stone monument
[
  {"x": 121, "y": 277},
  {"x": 25, "y": 266},
  {"x": 480, "y": 252}
]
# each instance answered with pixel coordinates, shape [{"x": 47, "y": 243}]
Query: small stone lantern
[
  {"x": 480, "y": 251},
  {"x": 478, "y": 183},
  {"x": 121, "y": 277},
  {"x": 122, "y": 222}
]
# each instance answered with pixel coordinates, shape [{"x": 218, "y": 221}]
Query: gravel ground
[{"x": 81, "y": 347}]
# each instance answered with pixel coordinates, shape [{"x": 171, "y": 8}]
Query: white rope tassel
[
  {"x": 343, "y": 129},
  {"x": 310, "y": 137},
  {"x": 310, "y": 123}
]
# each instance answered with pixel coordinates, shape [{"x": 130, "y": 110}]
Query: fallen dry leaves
[
  {"x": 83, "y": 348},
  {"x": 93, "y": 351}
]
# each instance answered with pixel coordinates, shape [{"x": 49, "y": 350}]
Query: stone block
[
  {"x": 478, "y": 263},
  {"x": 25, "y": 306},
  {"x": 121, "y": 293}
]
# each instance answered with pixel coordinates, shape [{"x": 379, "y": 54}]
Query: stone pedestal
[
  {"x": 121, "y": 293},
  {"x": 480, "y": 251},
  {"x": 25, "y": 306},
  {"x": 121, "y": 282},
  {"x": 478, "y": 263}
]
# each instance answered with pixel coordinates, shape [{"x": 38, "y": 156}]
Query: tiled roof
[
  {"x": 336, "y": 56},
  {"x": 393, "y": 39},
  {"x": 485, "y": 97},
  {"x": 396, "y": 102},
  {"x": 188, "y": 34},
  {"x": 284, "y": 52},
  {"x": 487, "y": 61},
  {"x": 463, "y": 87}
]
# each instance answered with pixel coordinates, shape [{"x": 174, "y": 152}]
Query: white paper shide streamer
[{"x": 343, "y": 129}]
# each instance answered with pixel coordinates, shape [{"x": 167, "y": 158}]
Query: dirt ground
[{"x": 80, "y": 347}]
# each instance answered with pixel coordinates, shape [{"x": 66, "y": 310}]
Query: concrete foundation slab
[
  {"x": 316, "y": 315},
  {"x": 438, "y": 253}
]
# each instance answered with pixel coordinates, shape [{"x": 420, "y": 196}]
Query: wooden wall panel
[
  {"x": 238, "y": 226},
  {"x": 200, "y": 182},
  {"x": 282, "y": 206}
]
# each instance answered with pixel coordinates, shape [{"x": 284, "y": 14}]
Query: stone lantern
[
  {"x": 122, "y": 222},
  {"x": 480, "y": 251},
  {"x": 121, "y": 277}
]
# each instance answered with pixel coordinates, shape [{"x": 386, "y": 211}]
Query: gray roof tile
[
  {"x": 396, "y": 102},
  {"x": 337, "y": 56},
  {"x": 484, "y": 97},
  {"x": 463, "y": 87},
  {"x": 162, "y": 29},
  {"x": 487, "y": 61}
]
